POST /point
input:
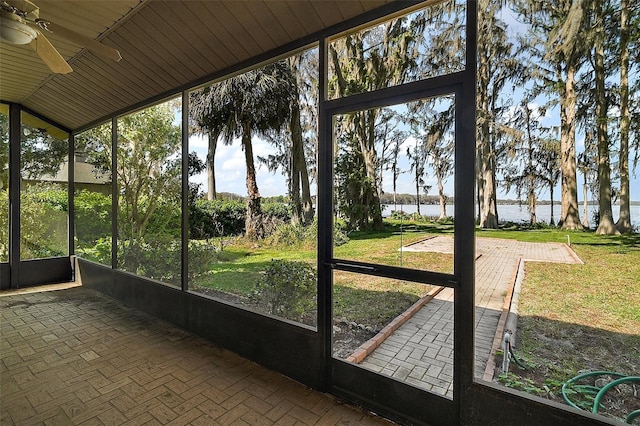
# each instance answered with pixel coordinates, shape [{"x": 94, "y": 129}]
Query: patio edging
[{"x": 370, "y": 345}]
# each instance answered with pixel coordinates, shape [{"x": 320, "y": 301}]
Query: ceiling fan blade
[
  {"x": 84, "y": 41},
  {"x": 50, "y": 55}
]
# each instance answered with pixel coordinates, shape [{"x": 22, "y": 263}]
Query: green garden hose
[{"x": 599, "y": 392}]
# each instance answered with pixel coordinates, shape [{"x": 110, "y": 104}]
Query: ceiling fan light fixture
[{"x": 13, "y": 31}]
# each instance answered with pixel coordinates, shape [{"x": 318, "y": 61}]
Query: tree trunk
[
  {"x": 570, "y": 217},
  {"x": 532, "y": 208},
  {"x": 442, "y": 197},
  {"x": 367, "y": 145},
  {"x": 417, "y": 192},
  {"x": 254, "y": 226},
  {"x": 624, "y": 221},
  {"x": 606, "y": 225},
  {"x": 531, "y": 177},
  {"x": 489, "y": 213},
  {"x": 551, "y": 221},
  {"x": 585, "y": 211},
  {"x": 308, "y": 212},
  {"x": 486, "y": 181},
  {"x": 211, "y": 173},
  {"x": 294, "y": 172},
  {"x": 486, "y": 175},
  {"x": 300, "y": 165}
]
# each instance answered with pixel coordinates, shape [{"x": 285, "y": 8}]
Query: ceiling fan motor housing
[{"x": 13, "y": 30}]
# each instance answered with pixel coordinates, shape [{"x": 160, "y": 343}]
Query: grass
[
  {"x": 363, "y": 299},
  {"x": 576, "y": 318},
  {"x": 572, "y": 317}
]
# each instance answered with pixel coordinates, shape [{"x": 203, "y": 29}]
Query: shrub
[
  {"x": 281, "y": 211},
  {"x": 287, "y": 234},
  {"x": 299, "y": 235},
  {"x": 213, "y": 218},
  {"x": 43, "y": 222},
  {"x": 155, "y": 256},
  {"x": 92, "y": 217},
  {"x": 340, "y": 235},
  {"x": 100, "y": 252},
  {"x": 201, "y": 254},
  {"x": 287, "y": 288},
  {"x": 399, "y": 215}
]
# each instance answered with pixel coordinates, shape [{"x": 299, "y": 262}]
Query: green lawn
[
  {"x": 576, "y": 318},
  {"x": 573, "y": 317},
  {"x": 363, "y": 299}
]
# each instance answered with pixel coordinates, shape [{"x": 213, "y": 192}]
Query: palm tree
[{"x": 253, "y": 102}]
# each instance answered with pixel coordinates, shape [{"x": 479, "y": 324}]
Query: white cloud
[
  {"x": 198, "y": 141},
  {"x": 409, "y": 142}
]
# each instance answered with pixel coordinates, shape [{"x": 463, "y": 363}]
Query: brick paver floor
[
  {"x": 75, "y": 356},
  {"x": 420, "y": 352}
]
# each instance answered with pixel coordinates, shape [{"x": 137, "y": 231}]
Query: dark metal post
[
  {"x": 71, "y": 194},
  {"x": 114, "y": 193},
  {"x": 14, "y": 195},
  {"x": 185, "y": 191},
  {"x": 464, "y": 239},
  {"x": 325, "y": 217}
]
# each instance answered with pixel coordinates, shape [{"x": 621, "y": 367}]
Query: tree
[
  {"x": 395, "y": 169},
  {"x": 365, "y": 61},
  {"x": 148, "y": 165},
  {"x": 606, "y": 225},
  {"x": 624, "y": 221},
  {"x": 255, "y": 101},
  {"x": 4, "y": 151},
  {"x": 586, "y": 164},
  {"x": 212, "y": 146},
  {"x": 496, "y": 66},
  {"x": 392, "y": 137},
  {"x": 147, "y": 171},
  {"x": 417, "y": 158},
  {"x": 549, "y": 157},
  {"x": 299, "y": 136},
  {"x": 556, "y": 43},
  {"x": 41, "y": 153},
  {"x": 431, "y": 123}
]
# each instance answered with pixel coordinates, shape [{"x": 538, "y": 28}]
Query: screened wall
[{"x": 260, "y": 208}]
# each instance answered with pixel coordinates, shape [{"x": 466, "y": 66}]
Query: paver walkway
[
  {"x": 75, "y": 356},
  {"x": 420, "y": 352}
]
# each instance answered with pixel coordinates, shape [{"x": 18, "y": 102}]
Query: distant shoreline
[{"x": 548, "y": 202}]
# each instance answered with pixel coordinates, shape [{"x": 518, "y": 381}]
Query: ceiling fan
[{"x": 20, "y": 24}]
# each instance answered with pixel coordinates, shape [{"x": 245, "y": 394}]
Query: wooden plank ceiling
[{"x": 164, "y": 45}]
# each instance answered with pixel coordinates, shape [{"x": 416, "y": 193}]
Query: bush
[
  {"x": 399, "y": 215},
  {"x": 287, "y": 289},
  {"x": 215, "y": 218},
  {"x": 288, "y": 234},
  {"x": 280, "y": 211},
  {"x": 100, "y": 252},
  {"x": 299, "y": 235},
  {"x": 201, "y": 255},
  {"x": 43, "y": 221},
  {"x": 154, "y": 257},
  {"x": 92, "y": 217}
]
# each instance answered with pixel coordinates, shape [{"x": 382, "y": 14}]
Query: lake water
[{"x": 515, "y": 213}]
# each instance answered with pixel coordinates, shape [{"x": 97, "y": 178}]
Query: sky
[
  {"x": 231, "y": 171},
  {"x": 230, "y": 162}
]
